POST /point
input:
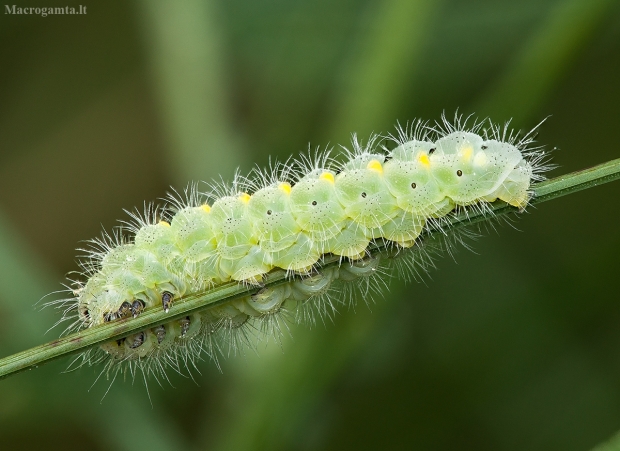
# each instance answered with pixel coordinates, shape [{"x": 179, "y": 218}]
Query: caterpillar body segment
[{"x": 289, "y": 219}]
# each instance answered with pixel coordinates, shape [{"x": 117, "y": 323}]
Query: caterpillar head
[{"x": 468, "y": 168}]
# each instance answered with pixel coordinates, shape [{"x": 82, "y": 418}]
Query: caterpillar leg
[
  {"x": 166, "y": 300},
  {"x": 137, "y": 307}
]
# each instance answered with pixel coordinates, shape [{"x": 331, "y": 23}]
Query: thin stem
[{"x": 81, "y": 341}]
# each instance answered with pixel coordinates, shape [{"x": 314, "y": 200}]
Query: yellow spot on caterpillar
[
  {"x": 374, "y": 165},
  {"x": 466, "y": 152},
  {"x": 286, "y": 187},
  {"x": 244, "y": 197},
  {"x": 480, "y": 159},
  {"x": 423, "y": 158},
  {"x": 206, "y": 208},
  {"x": 164, "y": 223},
  {"x": 327, "y": 176}
]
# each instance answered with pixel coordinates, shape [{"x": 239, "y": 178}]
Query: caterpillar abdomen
[{"x": 290, "y": 221}]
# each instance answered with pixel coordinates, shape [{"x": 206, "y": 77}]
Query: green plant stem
[{"x": 81, "y": 341}]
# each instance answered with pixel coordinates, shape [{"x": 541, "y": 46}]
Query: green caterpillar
[{"x": 289, "y": 218}]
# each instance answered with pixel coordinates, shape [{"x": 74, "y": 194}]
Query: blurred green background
[{"x": 513, "y": 347}]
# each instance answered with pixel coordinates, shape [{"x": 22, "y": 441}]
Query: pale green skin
[
  {"x": 322, "y": 220},
  {"x": 363, "y": 193},
  {"x": 243, "y": 237},
  {"x": 405, "y": 169}
]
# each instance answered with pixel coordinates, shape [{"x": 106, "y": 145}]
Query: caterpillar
[{"x": 290, "y": 216}]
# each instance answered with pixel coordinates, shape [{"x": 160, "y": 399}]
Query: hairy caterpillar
[{"x": 288, "y": 217}]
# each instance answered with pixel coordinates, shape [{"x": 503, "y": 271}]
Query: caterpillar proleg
[{"x": 289, "y": 217}]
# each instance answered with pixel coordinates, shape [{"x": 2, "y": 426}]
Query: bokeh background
[{"x": 515, "y": 346}]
